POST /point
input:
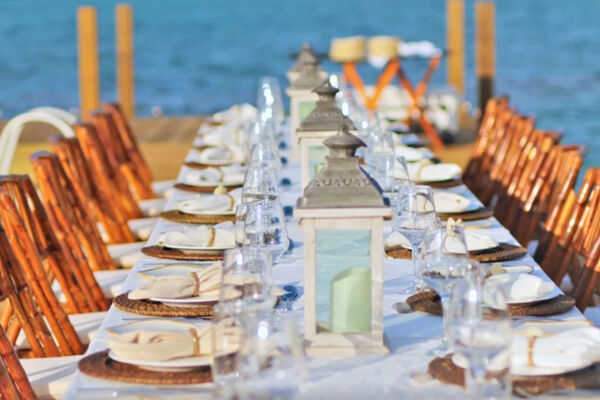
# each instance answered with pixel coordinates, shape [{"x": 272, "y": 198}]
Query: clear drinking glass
[
  {"x": 265, "y": 228},
  {"x": 264, "y": 152},
  {"x": 414, "y": 213},
  {"x": 479, "y": 330},
  {"x": 260, "y": 182},
  {"x": 246, "y": 281},
  {"x": 227, "y": 339},
  {"x": 271, "y": 360},
  {"x": 445, "y": 261}
]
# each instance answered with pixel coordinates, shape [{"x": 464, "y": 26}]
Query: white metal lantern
[
  {"x": 305, "y": 56},
  {"x": 341, "y": 213},
  {"x": 303, "y": 98},
  {"x": 322, "y": 122}
]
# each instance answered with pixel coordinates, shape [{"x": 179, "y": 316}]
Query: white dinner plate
[
  {"x": 448, "y": 202},
  {"x": 505, "y": 278},
  {"x": 193, "y": 248},
  {"x": 173, "y": 269},
  {"x": 158, "y": 325},
  {"x": 433, "y": 172}
]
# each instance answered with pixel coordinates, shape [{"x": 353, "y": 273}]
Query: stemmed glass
[
  {"x": 445, "y": 261},
  {"x": 265, "y": 228},
  {"x": 270, "y": 102},
  {"x": 479, "y": 330},
  {"x": 264, "y": 152},
  {"x": 271, "y": 360},
  {"x": 413, "y": 214}
]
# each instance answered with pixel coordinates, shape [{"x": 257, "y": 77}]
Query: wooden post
[
  {"x": 485, "y": 51},
  {"x": 455, "y": 20},
  {"x": 89, "y": 70},
  {"x": 125, "y": 71}
]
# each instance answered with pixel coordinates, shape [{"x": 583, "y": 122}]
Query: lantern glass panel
[
  {"x": 343, "y": 280},
  {"x": 305, "y": 108},
  {"x": 316, "y": 159}
]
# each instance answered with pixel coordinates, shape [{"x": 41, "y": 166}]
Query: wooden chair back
[
  {"x": 30, "y": 291},
  {"x": 70, "y": 215},
  {"x": 109, "y": 180},
  {"x": 119, "y": 156},
  {"x": 129, "y": 140},
  {"x": 587, "y": 279},
  {"x": 98, "y": 202}
]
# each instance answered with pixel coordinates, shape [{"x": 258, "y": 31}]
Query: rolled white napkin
[
  {"x": 197, "y": 284},
  {"x": 146, "y": 345},
  {"x": 526, "y": 286},
  {"x": 424, "y": 171},
  {"x": 218, "y": 236},
  {"x": 572, "y": 348},
  {"x": 211, "y": 203},
  {"x": 448, "y": 202}
]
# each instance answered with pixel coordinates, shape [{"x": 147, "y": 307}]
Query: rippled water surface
[{"x": 198, "y": 56}]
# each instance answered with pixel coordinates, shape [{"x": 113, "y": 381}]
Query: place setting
[
  {"x": 194, "y": 242},
  {"x": 214, "y": 156},
  {"x": 211, "y": 208},
  {"x": 207, "y": 180}
]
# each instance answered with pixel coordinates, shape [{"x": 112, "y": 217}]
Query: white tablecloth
[{"x": 410, "y": 335}]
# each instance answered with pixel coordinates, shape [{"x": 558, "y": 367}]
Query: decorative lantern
[
  {"x": 302, "y": 96},
  {"x": 322, "y": 122},
  {"x": 341, "y": 214},
  {"x": 306, "y": 56}
]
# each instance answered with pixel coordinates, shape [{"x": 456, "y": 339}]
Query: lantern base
[{"x": 347, "y": 345}]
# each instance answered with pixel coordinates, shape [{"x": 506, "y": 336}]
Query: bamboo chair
[
  {"x": 120, "y": 157},
  {"x": 35, "y": 308},
  {"x": 109, "y": 180},
  {"x": 60, "y": 254},
  {"x": 99, "y": 202},
  {"x": 13, "y": 379},
  {"x": 70, "y": 216},
  {"x": 587, "y": 279},
  {"x": 129, "y": 140},
  {"x": 578, "y": 231}
]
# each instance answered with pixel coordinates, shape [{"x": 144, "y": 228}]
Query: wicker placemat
[
  {"x": 198, "y": 165},
  {"x": 174, "y": 254},
  {"x": 178, "y": 216},
  {"x": 503, "y": 252},
  {"x": 444, "y": 370},
  {"x": 480, "y": 213},
  {"x": 156, "y": 309},
  {"x": 100, "y": 365},
  {"x": 202, "y": 189},
  {"x": 443, "y": 184},
  {"x": 430, "y": 303}
]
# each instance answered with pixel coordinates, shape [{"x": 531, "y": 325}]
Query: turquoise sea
[{"x": 198, "y": 56}]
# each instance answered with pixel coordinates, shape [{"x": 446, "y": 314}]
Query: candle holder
[
  {"x": 322, "y": 122},
  {"x": 341, "y": 213}
]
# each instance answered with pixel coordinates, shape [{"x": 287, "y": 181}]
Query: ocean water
[{"x": 199, "y": 56}]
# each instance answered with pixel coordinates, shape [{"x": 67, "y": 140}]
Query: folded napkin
[
  {"x": 146, "y": 345},
  {"x": 525, "y": 286},
  {"x": 409, "y": 153},
  {"x": 221, "y": 153},
  {"x": 396, "y": 239},
  {"x": 572, "y": 348},
  {"x": 220, "y": 235},
  {"x": 197, "y": 284},
  {"x": 215, "y": 202},
  {"x": 448, "y": 202},
  {"x": 474, "y": 241},
  {"x": 425, "y": 171}
]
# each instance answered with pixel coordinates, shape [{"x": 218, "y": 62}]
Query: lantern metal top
[
  {"x": 342, "y": 183},
  {"x": 326, "y": 116},
  {"x": 306, "y": 56},
  {"x": 309, "y": 77}
]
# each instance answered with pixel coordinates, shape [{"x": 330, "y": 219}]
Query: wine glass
[
  {"x": 479, "y": 330},
  {"x": 246, "y": 281},
  {"x": 264, "y": 152},
  {"x": 413, "y": 214},
  {"x": 260, "y": 182},
  {"x": 265, "y": 228},
  {"x": 271, "y": 360},
  {"x": 227, "y": 339},
  {"x": 445, "y": 261}
]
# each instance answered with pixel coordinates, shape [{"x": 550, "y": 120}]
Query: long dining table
[{"x": 409, "y": 335}]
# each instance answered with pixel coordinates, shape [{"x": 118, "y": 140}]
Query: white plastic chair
[{"x": 9, "y": 137}]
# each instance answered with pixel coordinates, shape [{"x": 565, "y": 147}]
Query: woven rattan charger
[
  {"x": 502, "y": 252},
  {"x": 209, "y": 219},
  {"x": 444, "y": 370},
  {"x": 202, "y": 189},
  {"x": 175, "y": 254},
  {"x": 100, "y": 365},
  {"x": 430, "y": 303}
]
